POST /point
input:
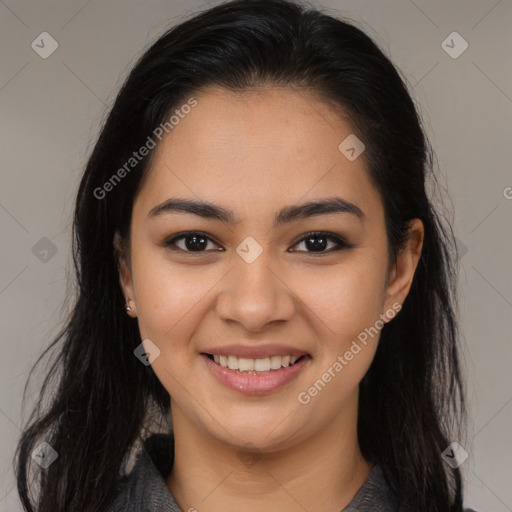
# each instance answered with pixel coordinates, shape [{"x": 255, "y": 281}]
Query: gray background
[{"x": 51, "y": 110}]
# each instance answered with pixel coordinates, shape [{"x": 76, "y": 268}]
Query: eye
[
  {"x": 197, "y": 242},
  {"x": 194, "y": 241},
  {"x": 319, "y": 240}
]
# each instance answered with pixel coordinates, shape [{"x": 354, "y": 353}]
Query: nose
[{"x": 256, "y": 295}]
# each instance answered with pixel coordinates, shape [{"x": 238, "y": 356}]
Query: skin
[{"x": 255, "y": 153}]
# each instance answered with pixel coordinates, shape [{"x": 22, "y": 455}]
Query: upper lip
[{"x": 258, "y": 352}]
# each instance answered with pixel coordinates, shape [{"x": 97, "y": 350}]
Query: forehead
[{"x": 254, "y": 149}]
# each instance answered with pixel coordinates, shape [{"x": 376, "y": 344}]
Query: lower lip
[{"x": 255, "y": 384}]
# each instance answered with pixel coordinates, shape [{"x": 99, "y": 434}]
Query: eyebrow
[{"x": 287, "y": 215}]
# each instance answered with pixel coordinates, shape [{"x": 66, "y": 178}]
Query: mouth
[
  {"x": 256, "y": 376},
  {"x": 260, "y": 366}
]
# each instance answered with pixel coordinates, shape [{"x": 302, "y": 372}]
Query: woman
[{"x": 259, "y": 267}]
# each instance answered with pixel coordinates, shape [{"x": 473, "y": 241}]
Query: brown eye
[
  {"x": 318, "y": 241},
  {"x": 192, "y": 242}
]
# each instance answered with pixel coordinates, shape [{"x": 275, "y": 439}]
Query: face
[{"x": 250, "y": 279}]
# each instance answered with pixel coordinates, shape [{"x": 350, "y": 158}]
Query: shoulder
[
  {"x": 376, "y": 495},
  {"x": 132, "y": 489},
  {"x": 144, "y": 489}
]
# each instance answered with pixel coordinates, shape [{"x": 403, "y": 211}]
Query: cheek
[
  {"x": 345, "y": 300},
  {"x": 167, "y": 295},
  {"x": 170, "y": 302},
  {"x": 344, "y": 307}
]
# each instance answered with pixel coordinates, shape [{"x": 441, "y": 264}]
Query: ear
[
  {"x": 125, "y": 274},
  {"x": 402, "y": 271}
]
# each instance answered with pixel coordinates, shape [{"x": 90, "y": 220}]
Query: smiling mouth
[{"x": 262, "y": 366}]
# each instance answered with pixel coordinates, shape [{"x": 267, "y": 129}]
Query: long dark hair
[{"x": 103, "y": 399}]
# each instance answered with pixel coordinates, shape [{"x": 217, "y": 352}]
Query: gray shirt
[{"x": 145, "y": 490}]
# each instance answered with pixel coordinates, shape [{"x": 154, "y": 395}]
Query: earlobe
[
  {"x": 125, "y": 279},
  {"x": 129, "y": 309}
]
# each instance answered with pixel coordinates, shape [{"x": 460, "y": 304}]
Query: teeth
[
  {"x": 262, "y": 365},
  {"x": 233, "y": 363},
  {"x": 275, "y": 362},
  {"x": 244, "y": 364}
]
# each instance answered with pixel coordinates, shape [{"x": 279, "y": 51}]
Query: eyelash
[{"x": 340, "y": 242}]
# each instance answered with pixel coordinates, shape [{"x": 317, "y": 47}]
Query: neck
[{"x": 321, "y": 472}]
